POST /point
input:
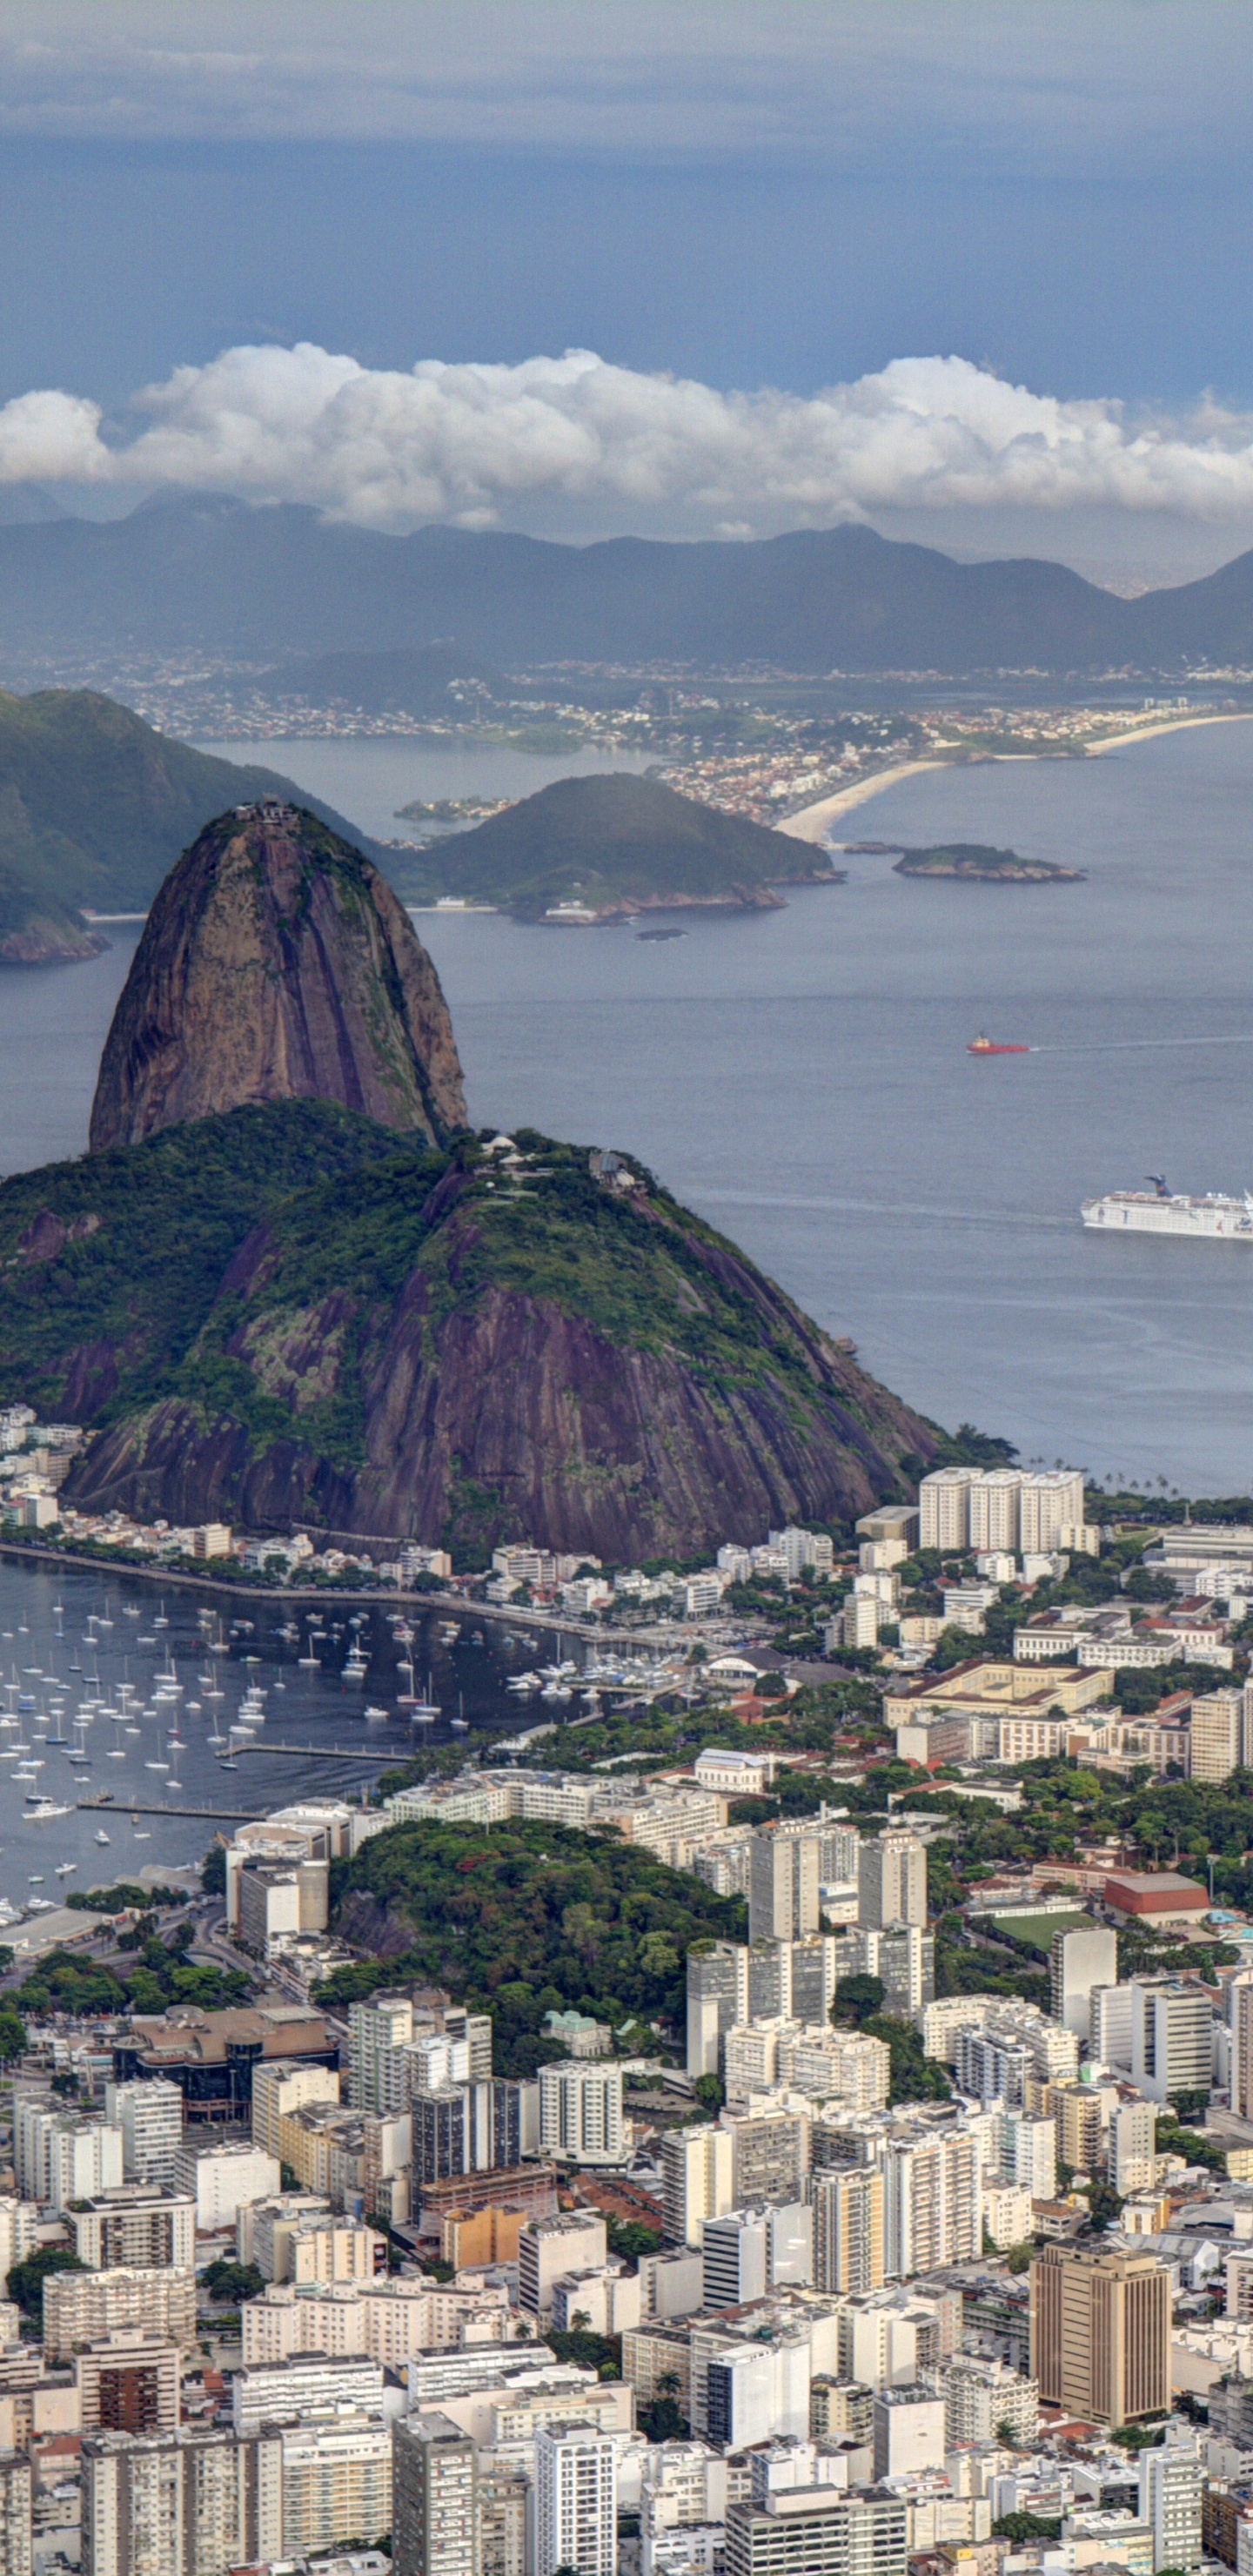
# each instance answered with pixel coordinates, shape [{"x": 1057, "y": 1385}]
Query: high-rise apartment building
[
  {"x": 504, "y": 2496},
  {"x": 964, "y": 1509},
  {"x": 933, "y": 2201},
  {"x": 279, "y": 2090},
  {"x": 698, "y": 2180},
  {"x": 902, "y": 1956},
  {"x": 1026, "y": 2153},
  {"x": 180, "y": 2504},
  {"x": 337, "y": 2484},
  {"x": 811, "y": 2525},
  {"x": 576, "y": 2500},
  {"x": 580, "y": 2111},
  {"x": 770, "y": 2155},
  {"x": 84, "y": 2307},
  {"x": 1109, "y": 2040},
  {"x": 382, "y": 2023},
  {"x": 1172, "y": 2037},
  {"x": 751, "y": 2251},
  {"x": 891, "y": 1880},
  {"x": 307, "y": 2385},
  {"x": 149, "y": 2113},
  {"x": 1217, "y": 1735},
  {"x": 848, "y": 2206},
  {"x": 137, "y": 2225},
  {"x": 434, "y": 2499},
  {"x": 60, "y": 2156},
  {"x": 1131, "y": 2153},
  {"x": 1078, "y": 1961},
  {"x": 129, "y": 2384},
  {"x": 1100, "y": 2332},
  {"x": 717, "y": 1998},
  {"x": 549, "y": 2247},
  {"x": 1240, "y": 2007},
  {"x": 1171, "y": 2483},
  {"x": 16, "y": 2550},
  {"x": 1081, "y": 2114},
  {"x": 944, "y": 1508},
  {"x": 783, "y": 1885}
]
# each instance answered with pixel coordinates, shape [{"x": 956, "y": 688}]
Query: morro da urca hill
[
  {"x": 290, "y": 1314},
  {"x": 613, "y": 845},
  {"x": 277, "y": 964}
]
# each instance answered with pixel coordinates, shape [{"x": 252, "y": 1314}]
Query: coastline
[{"x": 812, "y": 821}]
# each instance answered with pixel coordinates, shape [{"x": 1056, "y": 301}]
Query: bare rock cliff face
[{"x": 277, "y": 964}]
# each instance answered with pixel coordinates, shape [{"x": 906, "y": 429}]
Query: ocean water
[
  {"x": 801, "y": 1078},
  {"x": 371, "y": 778}
]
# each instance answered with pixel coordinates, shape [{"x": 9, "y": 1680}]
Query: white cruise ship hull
[{"x": 1139, "y": 1212}]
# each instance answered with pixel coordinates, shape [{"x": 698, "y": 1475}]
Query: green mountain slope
[
  {"x": 289, "y": 1314},
  {"x": 95, "y": 807},
  {"x": 614, "y": 844}
]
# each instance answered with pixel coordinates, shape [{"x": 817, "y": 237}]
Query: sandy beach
[{"x": 811, "y": 824}]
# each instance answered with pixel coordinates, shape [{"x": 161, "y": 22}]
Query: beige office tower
[
  {"x": 994, "y": 1517},
  {"x": 698, "y": 2181},
  {"x": 180, "y": 2504},
  {"x": 1100, "y": 2333},
  {"x": 848, "y": 2207},
  {"x": 783, "y": 1884},
  {"x": 16, "y": 2556},
  {"x": 944, "y": 1508},
  {"x": 891, "y": 1881}
]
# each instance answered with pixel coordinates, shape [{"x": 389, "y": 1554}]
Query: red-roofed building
[{"x": 1155, "y": 1896}]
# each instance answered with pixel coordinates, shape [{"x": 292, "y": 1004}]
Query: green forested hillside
[
  {"x": 95, "y": 807},
  {"x": 521, "y": 1919},
  {"x": 613, "y": 843}
]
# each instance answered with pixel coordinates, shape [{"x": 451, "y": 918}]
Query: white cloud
[{"x": 597, "y": 445}]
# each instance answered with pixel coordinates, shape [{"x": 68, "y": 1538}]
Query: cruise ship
[{"x": 1157, "y": 1211}]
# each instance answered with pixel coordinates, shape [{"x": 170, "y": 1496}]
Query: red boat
[{"x": 986, "y": 1046}]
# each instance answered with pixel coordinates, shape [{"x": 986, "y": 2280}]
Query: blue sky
[{"x": 787, "y": 196}]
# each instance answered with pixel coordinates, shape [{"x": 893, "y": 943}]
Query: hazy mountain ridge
[{"x": 215, "y": 575}]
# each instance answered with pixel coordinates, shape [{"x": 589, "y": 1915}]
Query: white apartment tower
[
  {"x": 1078, "y": 1961},
  {"x": 16, "y": 2553},
  {"x": 698, "y": 2180},
  {"x": 1171, "y": 2482},
  {"x": 891, "y": 1881},
  {"x": 964, "y": 1509},
  {"x": 784, "y": 1876},
  {"x": 576, "y": 2500},
  {"x": 1172, "y": 2037},
  {"x": 150, "y": 2117},
  {"x": 944, "y": 1508},
  {"x": 580, "y": 2111},
  {"x": 382, "y": 2023}
]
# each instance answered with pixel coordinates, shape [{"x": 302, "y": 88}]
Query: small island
[
  {"x": 607, "y": 847},
  {"x": 978, "y": 863}
]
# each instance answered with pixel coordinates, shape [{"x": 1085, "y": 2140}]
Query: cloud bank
[{"x": 480, "y": 446}]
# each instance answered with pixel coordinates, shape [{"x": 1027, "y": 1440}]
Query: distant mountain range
[{"x": 216, "y": 575}]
